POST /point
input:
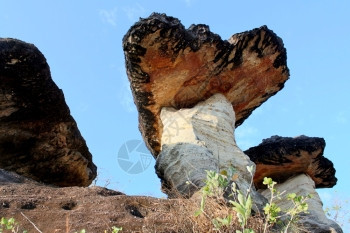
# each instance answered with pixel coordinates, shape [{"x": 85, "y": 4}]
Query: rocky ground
[
  {"x": 94, "y": 209},
  {"x": 45, "y": 208}
]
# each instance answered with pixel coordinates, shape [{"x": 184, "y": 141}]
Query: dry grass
[
  {"x": 180, "y": 217},
  {"x": 184, "y": 215},
  {"x": 183, "y": 219}
]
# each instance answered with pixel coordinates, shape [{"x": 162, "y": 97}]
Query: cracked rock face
[
  {"x": 170, "y": 66},
  {"x": 39, "y": 138},
  {"x": 283, "y": 157}
]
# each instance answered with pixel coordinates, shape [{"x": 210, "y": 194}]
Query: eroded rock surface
[
  {"x": 95, "y": 209},
  {"x": 170, "y": 66},
  {"x": 198, "y": 139},
  {"x": 316, "y": 220},
  {"x": 182, "y": 168},
  {"x": 283, "y": 157},
  {"x": 39, "y": 138}
]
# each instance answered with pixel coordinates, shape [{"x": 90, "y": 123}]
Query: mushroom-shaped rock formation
[
  {"x": 170, "y": 66},
  {"x": 283, "y": 157},
  {"x": 39, "y": 138}
]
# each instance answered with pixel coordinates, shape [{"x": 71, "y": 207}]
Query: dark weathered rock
[
  {"x": 11, "y": 177},
  {"x": 315, "y": 226},
  {"x": 39, "y": 138},
  {"x": 283, "y": 157},
  {"x": 170, "y": 66}
]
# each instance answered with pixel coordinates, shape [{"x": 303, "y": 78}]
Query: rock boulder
[{"x": 39, "y": 138}]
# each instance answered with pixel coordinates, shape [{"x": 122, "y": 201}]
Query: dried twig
[{"x": 31, "y": 223}]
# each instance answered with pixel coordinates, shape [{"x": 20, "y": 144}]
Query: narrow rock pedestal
[{"x": 198, "y": 139}]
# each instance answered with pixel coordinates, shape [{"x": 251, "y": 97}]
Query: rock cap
[
  {"x": 170, "y": 66},
  {"x": 283, "y": 157}
]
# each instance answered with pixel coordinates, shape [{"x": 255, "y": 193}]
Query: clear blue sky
[{"x": 82, "y": 42}]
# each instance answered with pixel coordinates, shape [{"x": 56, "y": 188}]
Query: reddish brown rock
[
  {"x": 170, "y": 66},
  {"x": 39, "y": 138},
  {"x": 283, "y": 157}
]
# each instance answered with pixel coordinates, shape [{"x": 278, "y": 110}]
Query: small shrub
[
  {"x": 215, "y": 185},
  {"x": 273, "y": 212},
  {"x": 243, "y": 205}
]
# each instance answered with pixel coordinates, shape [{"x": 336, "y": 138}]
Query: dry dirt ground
[
  {"x": 43, "y": 208},
  {"x": 94, "y": 209},
  {"x": 50, "y": 209}
]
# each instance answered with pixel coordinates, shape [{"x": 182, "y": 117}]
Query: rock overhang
[
  {"x": 170, "y": 66},
  {"x": 284, "y": 157}
]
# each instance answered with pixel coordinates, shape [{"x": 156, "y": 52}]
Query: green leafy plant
[
  {"x": 9, "y": 224},
  {"x": 271, "y": 209},
  {"x": 299, "y": 206},
  {"x": 81, "y": 231},
  {"x": 246, "y": 231},
  {"x": 243, "y": 205},
  {"x": 273, "y": 212},
  {"x": 242, "y": 208},
  {"x": 221, "y": 222},
  {"x": 215, "y": 185},
  {"x": 116, "y": 229}
]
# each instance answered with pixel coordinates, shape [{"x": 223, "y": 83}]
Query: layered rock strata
[
  {"x": 39, "y": 138},
  {"x": 170, "y": 66}
]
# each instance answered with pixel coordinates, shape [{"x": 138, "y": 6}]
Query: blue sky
[{"x": 82, "y": 42}]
